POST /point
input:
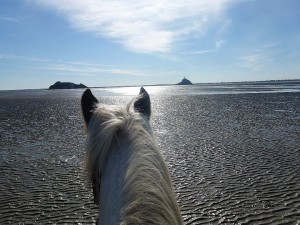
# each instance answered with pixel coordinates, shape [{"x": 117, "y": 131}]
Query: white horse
[{"x": 130, "y": 179}]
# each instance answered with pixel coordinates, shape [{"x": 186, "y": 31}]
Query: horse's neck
[
  {"x": 148, "y": 190},
  {"x": 110, "y": 199}
]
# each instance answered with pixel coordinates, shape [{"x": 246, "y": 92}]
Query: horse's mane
[{"x": 152, "y": 201}]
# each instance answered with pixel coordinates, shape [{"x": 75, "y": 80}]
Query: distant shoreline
[{"x": 266, "y": 82}]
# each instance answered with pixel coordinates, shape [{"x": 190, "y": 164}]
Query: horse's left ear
[
  {"x": 88, "y": 104},
  {"x": 142, "y": 104}
]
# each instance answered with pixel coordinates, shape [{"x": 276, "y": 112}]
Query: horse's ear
[
  {"x": 142, "y": 104},
  {"x": 88, "y": 104}
]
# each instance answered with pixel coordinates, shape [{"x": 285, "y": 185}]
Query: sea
[{"x": 233, "y": 151}]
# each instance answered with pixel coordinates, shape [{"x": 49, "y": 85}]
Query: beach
[{"x": 232, "y": 151}]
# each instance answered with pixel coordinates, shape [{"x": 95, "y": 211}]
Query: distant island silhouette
[
  {"x": 185, "y": 82},
  {"x": 66, "y": 85}
]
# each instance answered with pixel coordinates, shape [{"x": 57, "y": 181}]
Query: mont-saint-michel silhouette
[{"x": 185, "y": 82}]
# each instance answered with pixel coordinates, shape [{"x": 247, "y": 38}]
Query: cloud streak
[
  {"x": 147, "y": 26},
  {"x": 218, "y": 45},
  {"x": 93, "y": 70},
  {"x": 257, "y": 58},
  {"x": 9, "y": 19},
  {"x": 254, "y": 61},
  {"x": 21, "y": 57},
  {"x": 84, "y": 68}
]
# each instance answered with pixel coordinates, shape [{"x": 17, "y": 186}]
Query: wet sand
[{"x": 234, "y": 158}]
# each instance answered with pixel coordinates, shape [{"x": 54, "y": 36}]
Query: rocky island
[
  {"x": 66, "y": 85},
  {"x": 185, "y": 82}
]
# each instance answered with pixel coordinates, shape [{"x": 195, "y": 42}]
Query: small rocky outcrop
[
  {"x": 185, "y": 82},
  {"x": 66, "y": 85}
]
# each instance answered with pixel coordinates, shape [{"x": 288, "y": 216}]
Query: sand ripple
[{"x": 234, "y": 158}]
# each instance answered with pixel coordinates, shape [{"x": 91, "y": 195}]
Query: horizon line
[{"x": 288, "y": 81}]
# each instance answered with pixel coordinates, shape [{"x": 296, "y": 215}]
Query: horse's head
[
  {"x": 109, "y": 119},
  {"x": 89, "y": 103},
  {"x": 127, "y": 170}
]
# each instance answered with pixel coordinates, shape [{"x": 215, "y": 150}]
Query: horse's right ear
[
  {"x": 88, "y": 104},
  {"x": 142, "y": 104}
]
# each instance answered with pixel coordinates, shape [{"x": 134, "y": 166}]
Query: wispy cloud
[
  {"x": 258, "y": 57},
  {"x": 9, "y": 19},
  {"x": 83, "y": 69},
  {"x": 219, "y": 44},
  {"x": 148, "y": 26},
  {"x": 198, "y": 52},
  {"x": 87, "y": 69},
  {"x": 254, "y": 61},
  {"x": 21, "y": 57},
  {"x": 217, "y": 47}
]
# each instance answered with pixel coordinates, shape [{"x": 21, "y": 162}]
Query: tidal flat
[{"x": 233, "y": 153}]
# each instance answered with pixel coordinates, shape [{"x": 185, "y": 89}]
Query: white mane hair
[{"x": 126, "y": 164}]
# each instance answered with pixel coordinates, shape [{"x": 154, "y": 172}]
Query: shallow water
[{"x": 233, "y": 153}]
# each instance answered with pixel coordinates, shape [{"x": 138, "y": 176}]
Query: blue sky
[{"x": 129, "y": 42}]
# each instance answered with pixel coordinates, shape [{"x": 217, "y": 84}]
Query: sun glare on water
[
  {"x": 133, "y": 91},
  {"x": 130, "y": 91}
]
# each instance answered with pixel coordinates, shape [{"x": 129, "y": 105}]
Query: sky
[{"x": 147, "y": 42}]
